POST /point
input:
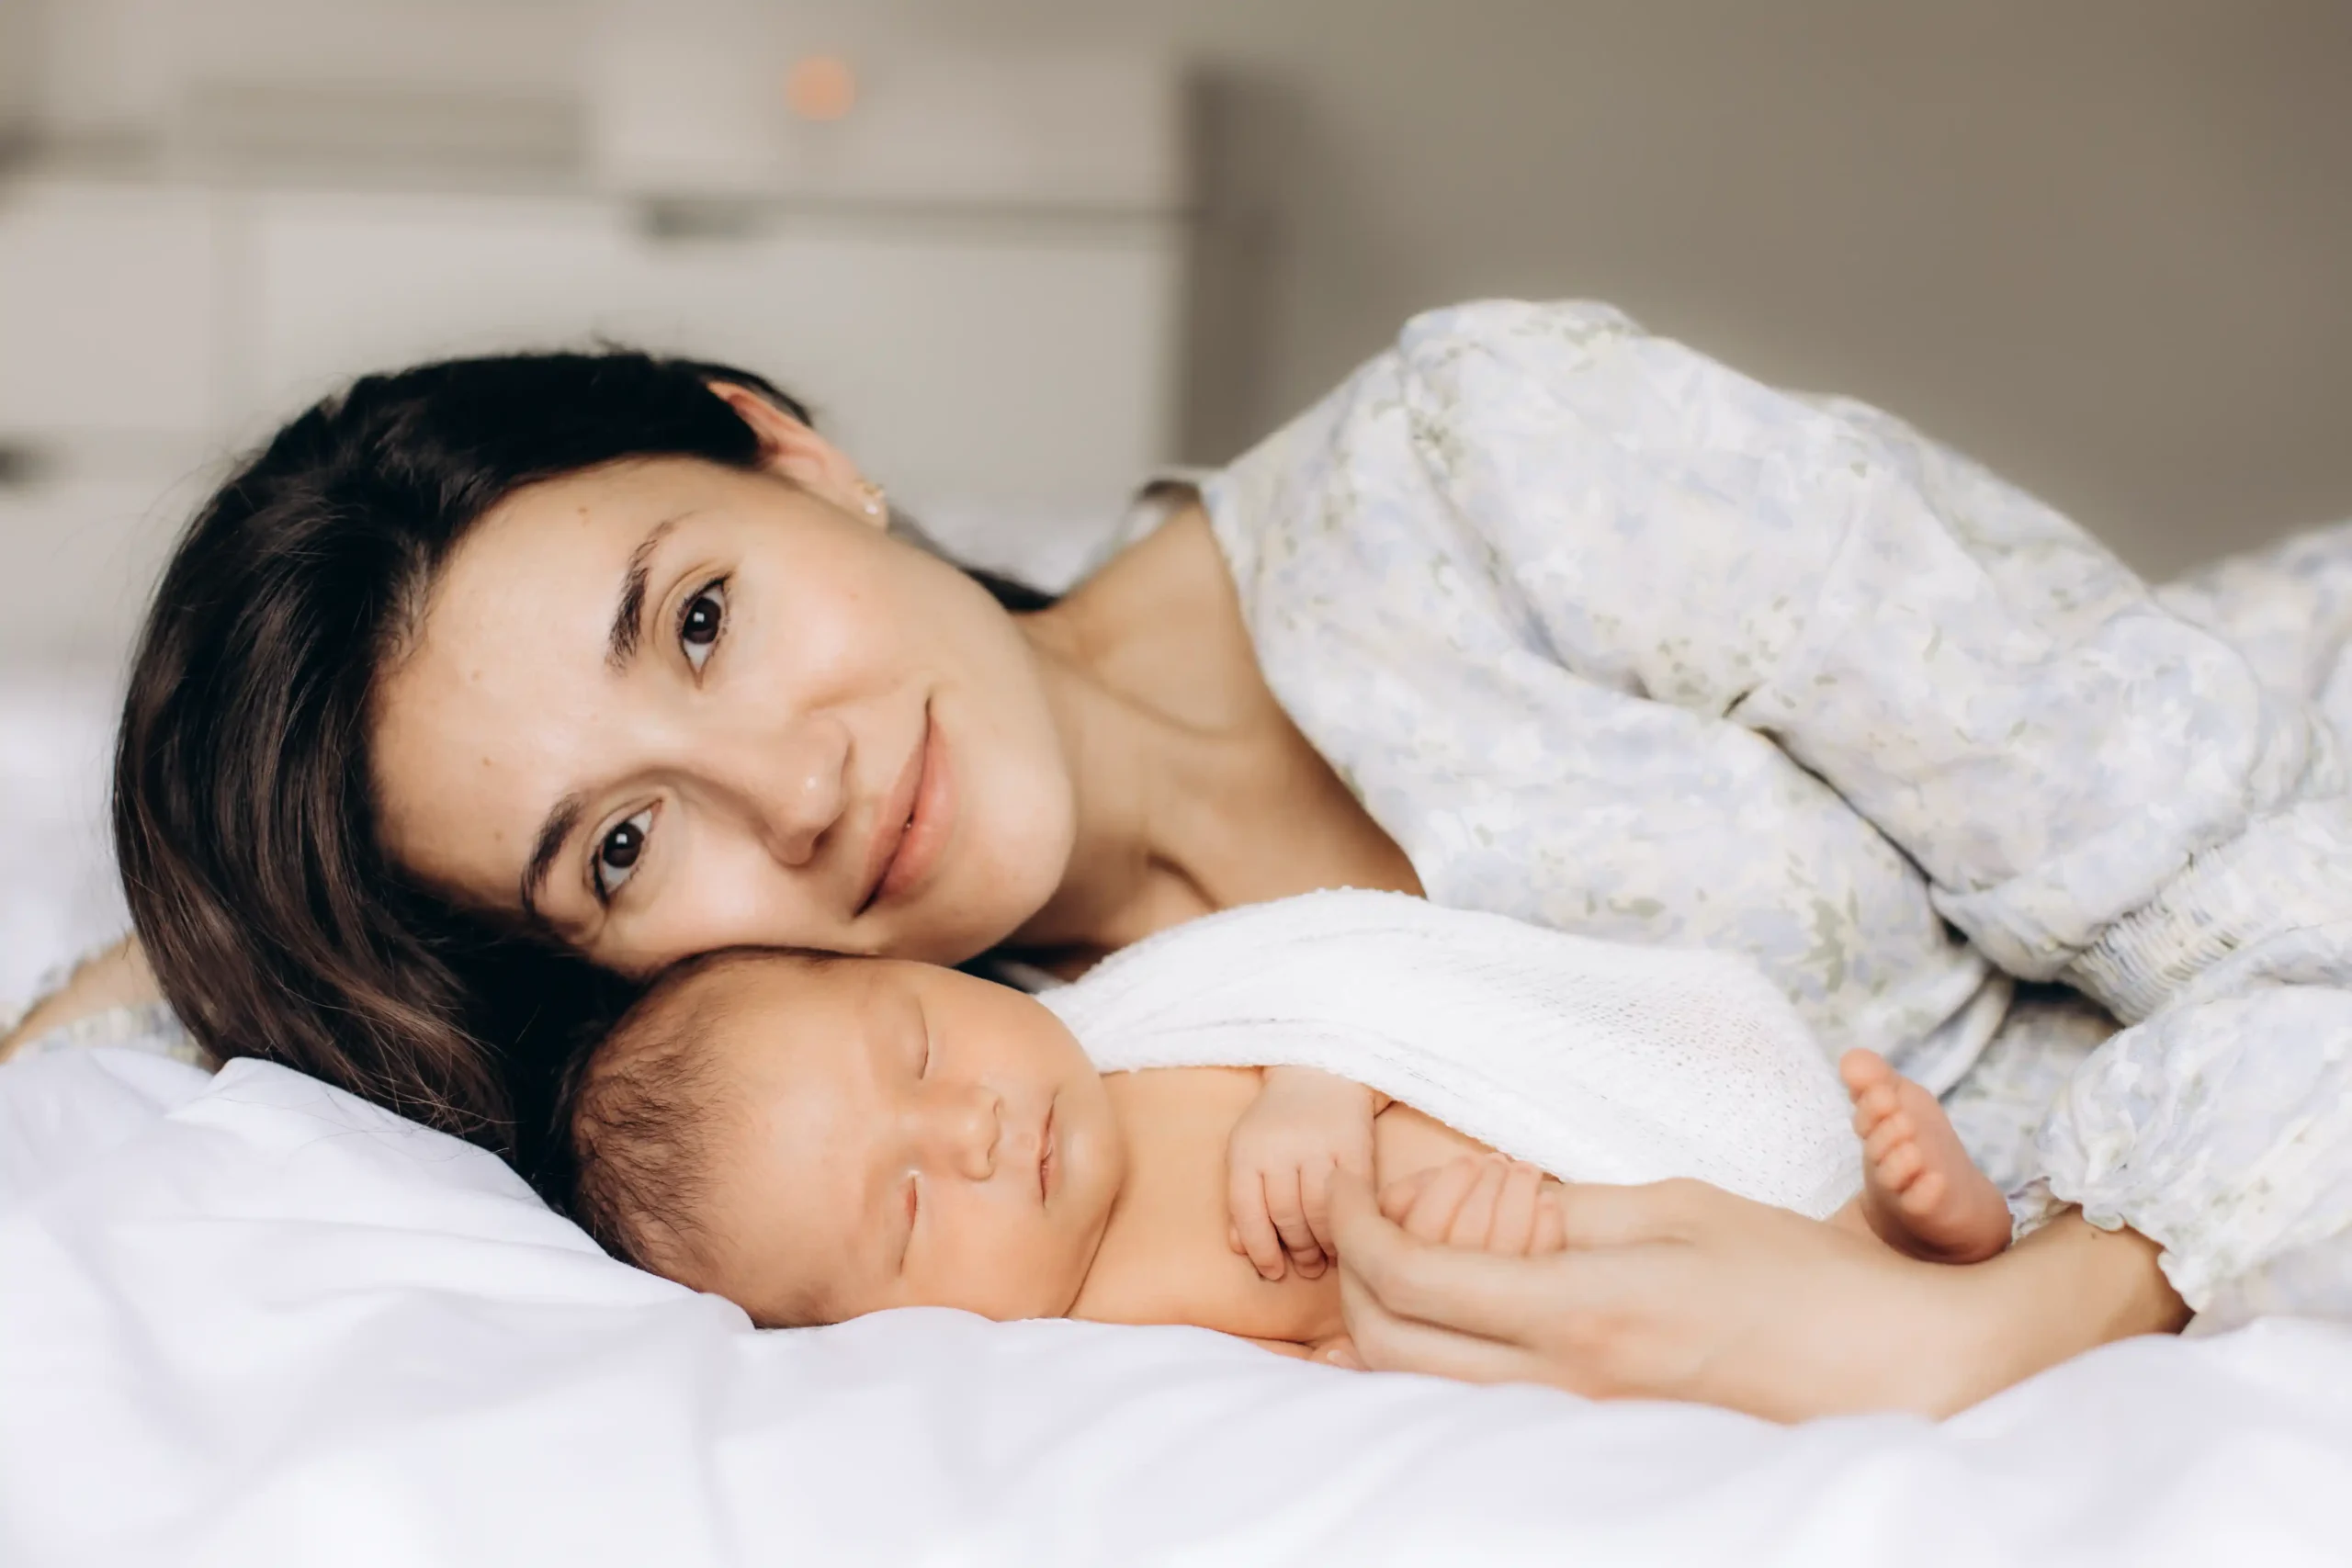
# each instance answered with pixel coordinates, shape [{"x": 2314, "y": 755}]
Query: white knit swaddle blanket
[{"x": 1595, "y": 1060}]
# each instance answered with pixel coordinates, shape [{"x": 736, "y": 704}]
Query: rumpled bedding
[
  {"x": 1612, "y": 638},
  {"x": 246, "y": 1319}
]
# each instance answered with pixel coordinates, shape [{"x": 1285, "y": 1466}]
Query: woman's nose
[
  {"x": 960, "y": 1126},
  {"x": 801, "y": 788}
]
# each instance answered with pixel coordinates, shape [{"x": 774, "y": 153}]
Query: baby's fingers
[
  {"x": 1246, "y": 1198},
  {"x": 1477, "y": 1215},
  {"x": 1431, "y": 1217},
  {"x": 1286, "y": 1206},
  {"x": 1514, "y": 1230},
  {"x": 1315, "y": 1188},
  {"x": 1551, "y": 1229}
]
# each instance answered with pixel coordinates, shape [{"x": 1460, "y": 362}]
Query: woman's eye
[
  {"x": 699, "y": 623},
  {"x": 617, "y": 856}
]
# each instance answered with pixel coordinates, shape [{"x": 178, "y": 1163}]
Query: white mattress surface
[{"x": 250, "y": 1320}]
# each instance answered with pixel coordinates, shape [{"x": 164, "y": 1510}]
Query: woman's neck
[
  {"x": 1120, "y": 754},
  {"x": 1193, "y": 789}
]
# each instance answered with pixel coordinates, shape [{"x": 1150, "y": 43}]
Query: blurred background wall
[{"x": 2104, "y": 244}]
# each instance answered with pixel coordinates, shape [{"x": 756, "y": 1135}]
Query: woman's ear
[{"x": 789, "y": 449}]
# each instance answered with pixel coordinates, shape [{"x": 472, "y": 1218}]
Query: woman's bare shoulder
[{"x": 117, "y": 978}]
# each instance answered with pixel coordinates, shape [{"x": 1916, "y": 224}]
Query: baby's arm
[
  {"x": 1303, "y": 1125},
  {"x": 1484, "y": 1202}
]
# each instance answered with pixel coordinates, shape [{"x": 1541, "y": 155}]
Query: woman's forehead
[
  {"x": 567, "y": 543},
  {"x": 612, "y": 495},
  {"x": 490, "y": 708}
]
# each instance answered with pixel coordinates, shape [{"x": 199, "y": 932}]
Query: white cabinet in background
[
  {"x": 108, "y": 317},
  {"x": 1005, "y": 372},
  {"x": 968, "y": 360}
]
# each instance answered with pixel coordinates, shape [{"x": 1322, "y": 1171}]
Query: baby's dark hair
[{"x": 641, "y": 1109}]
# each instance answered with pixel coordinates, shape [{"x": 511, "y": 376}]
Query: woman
[{"x": 613, "y": 659}]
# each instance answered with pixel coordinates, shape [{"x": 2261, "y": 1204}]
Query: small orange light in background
[{"x": 821, "y": 86}]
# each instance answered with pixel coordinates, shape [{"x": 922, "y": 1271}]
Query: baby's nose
[{"x": 964, "y": 1124}]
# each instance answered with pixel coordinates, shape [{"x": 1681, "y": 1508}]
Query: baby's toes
[
  {"x": 1877, "y": 1103},
  {"x": 1891, "y": 1131},
  {"x": 1860, "y": 1070},
  {"x": 1871, "y": 1111},
  {"x": 1898, "y": 1166},
  {"x": 1920, "y": 1198}
]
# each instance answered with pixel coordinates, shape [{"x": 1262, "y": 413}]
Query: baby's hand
[
  {"x": 1303, "y": 1124},
  {"x": 1482, "y": 1202}
]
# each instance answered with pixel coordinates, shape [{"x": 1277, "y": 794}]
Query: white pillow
[{"x": 252, "y": 1320}]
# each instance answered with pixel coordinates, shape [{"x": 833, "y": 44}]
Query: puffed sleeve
[{"x": 2098, "y": 790}]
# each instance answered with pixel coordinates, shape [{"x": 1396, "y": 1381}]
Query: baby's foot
[{"x": 1921, "y": 1192}]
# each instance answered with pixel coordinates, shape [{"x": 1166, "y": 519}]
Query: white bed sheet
[{"x": 250, "y": 1320}]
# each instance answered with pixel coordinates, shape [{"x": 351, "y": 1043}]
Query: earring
[{"x": 874, "y": 498}]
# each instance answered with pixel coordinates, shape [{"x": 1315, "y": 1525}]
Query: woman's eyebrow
[
  {"x": 561, "y": 819},
  {"x": 629, "y": 613}
]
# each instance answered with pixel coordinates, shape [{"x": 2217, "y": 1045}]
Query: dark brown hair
[
  {"x": 640, "y": 1109},
  {"x": 636, "y": 1113},
  {"x": 244, "y": 822}
]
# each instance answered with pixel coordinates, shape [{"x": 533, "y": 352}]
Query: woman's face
[{"x": 667, "y": 707}]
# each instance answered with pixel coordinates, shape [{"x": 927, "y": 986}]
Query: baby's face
[{"x": 902, "y": 1135}]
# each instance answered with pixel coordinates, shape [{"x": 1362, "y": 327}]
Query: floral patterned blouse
[{"x": 1609, "y": 636}]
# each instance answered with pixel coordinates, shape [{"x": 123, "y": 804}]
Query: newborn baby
[{"x": 818, "y": 1138}]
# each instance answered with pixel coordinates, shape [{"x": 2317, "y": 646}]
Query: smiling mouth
[{"x": 897, "y": 819}]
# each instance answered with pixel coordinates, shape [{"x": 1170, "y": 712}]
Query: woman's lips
[
  {"x": 929, "y": 819},
  {"x": 892, "y": 818}
]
